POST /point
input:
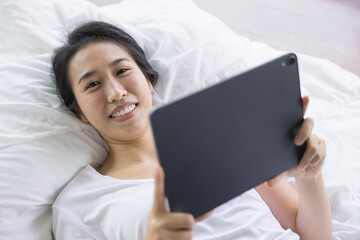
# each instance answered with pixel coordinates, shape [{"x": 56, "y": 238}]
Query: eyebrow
[{"x": 91, "y": 73}]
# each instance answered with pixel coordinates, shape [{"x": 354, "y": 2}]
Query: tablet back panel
[{"x": 226, "y": 139}]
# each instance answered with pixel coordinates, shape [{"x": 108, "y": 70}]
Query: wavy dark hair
[{"x": 79, "y": 38}]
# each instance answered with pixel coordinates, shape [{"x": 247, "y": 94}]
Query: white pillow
[
  {"x": 42, "y": 144},
  {"x": 190, "y": 48}
]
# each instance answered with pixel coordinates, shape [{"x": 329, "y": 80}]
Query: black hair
[{"x": 81, "y": 36}]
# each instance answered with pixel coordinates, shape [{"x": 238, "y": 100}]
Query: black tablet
[{"x": 230, "y": 137}]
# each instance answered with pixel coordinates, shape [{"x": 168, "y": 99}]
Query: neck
[{"x": 141, "y": 150}]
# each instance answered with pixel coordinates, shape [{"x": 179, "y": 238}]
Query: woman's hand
[
  {"x": 164, "y": 225},
  {"x": 310, "y": 214},
  {"x": 313, "y": 159}
]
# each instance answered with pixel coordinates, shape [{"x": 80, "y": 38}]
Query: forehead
[{"x": 99, "y": 52}]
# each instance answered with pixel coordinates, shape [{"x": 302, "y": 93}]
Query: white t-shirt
[{"x": 93, "y": 206}]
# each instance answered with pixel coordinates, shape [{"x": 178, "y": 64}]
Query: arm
[
  {"x": 313, "y": 220},
  {"x": 283, "y": 202},
  {"x": 307, "y": 212}
]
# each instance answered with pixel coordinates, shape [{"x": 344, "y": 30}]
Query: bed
[{"x": 43, "y": 145}]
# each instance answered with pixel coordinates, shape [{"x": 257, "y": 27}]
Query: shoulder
[
  {"x": 90, "y": 187},
  {"x": 66, "y": 218},
  {"x": 74, "y": 200},
  {"x": 93, "y": 201},
  {"x": 75, "y": 188}
]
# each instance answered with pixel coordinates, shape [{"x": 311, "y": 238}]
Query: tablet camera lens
[{"x": 291, "y": 60}]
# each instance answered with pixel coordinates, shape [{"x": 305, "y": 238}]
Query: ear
[
  {"x": 80, "y": 115},
  {"x": 150, "y": 85}
]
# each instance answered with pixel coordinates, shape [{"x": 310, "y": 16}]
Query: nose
[{"x": 115, "y": 91}]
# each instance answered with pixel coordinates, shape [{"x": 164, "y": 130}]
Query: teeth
[{"x": 125, "y": 111}]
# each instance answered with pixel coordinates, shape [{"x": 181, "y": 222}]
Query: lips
[{"x": 123, "y": 109}]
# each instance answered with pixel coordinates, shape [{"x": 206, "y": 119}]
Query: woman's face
[{"x": 112, "y": 92}]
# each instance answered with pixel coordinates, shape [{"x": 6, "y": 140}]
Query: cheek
[
  {"x": 88, "y": 105},
  {"x": 146, "y": 94},
  {"x": 139, "y": 84}
]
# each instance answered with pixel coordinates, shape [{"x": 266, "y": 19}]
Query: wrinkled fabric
[{"x": 93, "y": 206}]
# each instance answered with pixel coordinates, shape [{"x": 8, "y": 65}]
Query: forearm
[{"x": 313, "y": 220}]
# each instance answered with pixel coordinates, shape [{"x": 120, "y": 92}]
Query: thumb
[
  {"x": 305, "y": 102},
  {"x": 159, "y": 192}
]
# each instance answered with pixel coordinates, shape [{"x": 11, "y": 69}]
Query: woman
[{"x": 103, "y": 76}]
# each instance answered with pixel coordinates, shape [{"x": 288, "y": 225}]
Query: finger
[
  {"x": 159, "y": 192},
  {"x": 179, "y": 221},
  {"x": 305, "y": 102},
  {"x": 304, "y": 132},
  {"x": 315, "y": 160},
  {"x": 275, "y": 180},
  {"x": 321, "y": 153},
  {"x": 311, "y": 150}
]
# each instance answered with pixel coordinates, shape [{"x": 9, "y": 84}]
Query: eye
[
  {"x": 122, "y": 70},
  {"x": 91, "y": 84}
]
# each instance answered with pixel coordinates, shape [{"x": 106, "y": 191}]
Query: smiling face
[{"x": 112, "y": 92}]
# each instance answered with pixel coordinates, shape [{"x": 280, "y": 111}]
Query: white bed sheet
[{"x": 182, "y": 42}]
